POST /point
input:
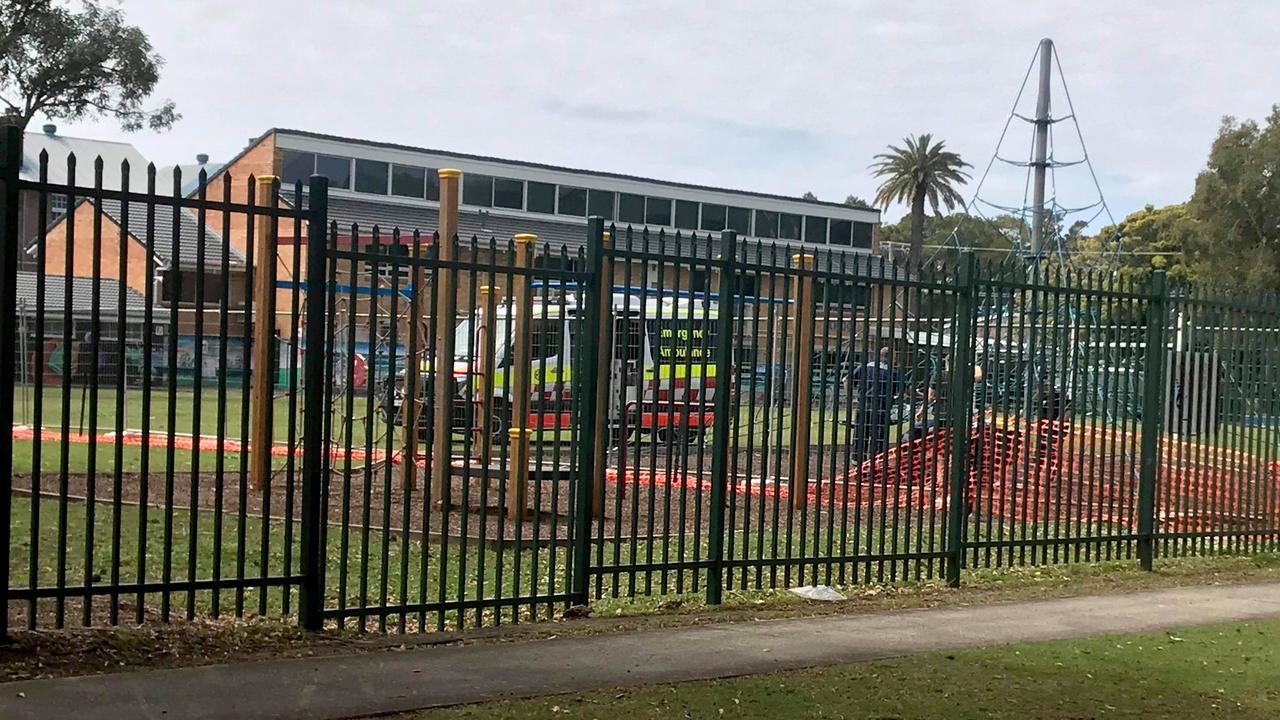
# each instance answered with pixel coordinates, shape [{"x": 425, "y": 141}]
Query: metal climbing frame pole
[
  {"x": 1152, "y": 382},
  {"x": 312, "y": 596},
  {"x": 961, "y": 394},
  {"x": 723, "y": 413}
]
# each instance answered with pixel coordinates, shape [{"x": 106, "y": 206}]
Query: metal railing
[{"x": 410, "y": 429}]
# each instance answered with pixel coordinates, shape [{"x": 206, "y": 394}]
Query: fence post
[
  {"x": 961, "y": 394},
  {"x": 311, "y": 598},
  {"x": 10, "y": 162},
  {"x": 1152, "y": 407},
  {"x": 602, "y": 388},
  {"x": 723, "y": 409},
  {"x": 800, "y": 420},
  {"x": 584, "y": 396}
]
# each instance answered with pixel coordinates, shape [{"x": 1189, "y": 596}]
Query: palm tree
[{"x": 921, "y": 171}]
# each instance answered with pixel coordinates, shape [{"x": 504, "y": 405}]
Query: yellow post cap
[
  {"x": 449, "y": 172},
  {"x": 266, "y": 179},
  {"x": 484, "y": 289},
  {"x": 526, "y": 238},
  {"x": 802, "y": 258},
  {"x": 606, "y": 235},
  {"x": 514, "y": 433}
]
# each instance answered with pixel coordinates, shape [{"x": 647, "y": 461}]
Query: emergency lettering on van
[{"x": 663, "y": 365}]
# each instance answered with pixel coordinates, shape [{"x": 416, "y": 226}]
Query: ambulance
[{"x": 662, "y": 364}]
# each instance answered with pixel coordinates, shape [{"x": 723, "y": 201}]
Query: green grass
[
  {"x": 454, "y": 571},
  {"x": 1224, "y": 671},
  {"x": 472, "y": 571},
  {"x": 184, "y": 405}
]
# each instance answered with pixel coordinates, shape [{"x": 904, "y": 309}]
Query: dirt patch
[{"x": 661, "y": 494}]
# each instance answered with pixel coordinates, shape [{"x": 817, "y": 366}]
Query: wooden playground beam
[
  {"x": 521, "y": 376},
  {"x": 261, "y": 383},
  {"x": 446, "y": 290}
]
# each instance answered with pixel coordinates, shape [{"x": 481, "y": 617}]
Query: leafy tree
[
  {"x": 920, "y": 171},
  {"x": 1151, "y": 238},
  {"x": 77, "y": 61},
  {"x": 854, "y": 201},
  {"x": 15, "y": 16},
  {"x": 945, "y": 235},
  {"x": 809, "y": 196},
  {"x": 1237, "y": 204}
]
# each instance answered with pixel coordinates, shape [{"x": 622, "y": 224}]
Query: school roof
[
  {"x": 86, "y": 151},
  {"x": 156, "y": 224},
  {"x": 55, "y": 288},
  {"x": 555, "y": 168}
]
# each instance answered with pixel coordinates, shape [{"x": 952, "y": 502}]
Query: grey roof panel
[
  {"x": 189, "y": 236},
  {"x": 81, "y": 297},
  {"x": 85, "y": 150}
]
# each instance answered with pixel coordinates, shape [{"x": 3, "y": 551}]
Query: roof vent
[
  {"x": 50, "y": 129},
  {"x": 202, "y": 158}
]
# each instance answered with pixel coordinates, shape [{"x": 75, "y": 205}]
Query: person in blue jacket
[{"x": 876, "y": 383}]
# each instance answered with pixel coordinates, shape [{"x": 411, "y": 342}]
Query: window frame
[
  {"x": 350, "y": 171},
  {"x": 560, "y": 193},
  {"x": 521, "y": 183},
  {"x": 528, "y": 194},
  {"x": 474, "y": 177},
  {"x": 392, "y": 189},
  {"x": 657, "y": 202},
  {"x": 386, "y": 176}
]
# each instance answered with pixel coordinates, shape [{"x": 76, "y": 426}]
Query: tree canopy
[
  {"x": 919, "y": 171},
  {"x": 1237, "y": 206},
  {"x": 1151, "y": 238},
  {"x": 75, "y": 62}
]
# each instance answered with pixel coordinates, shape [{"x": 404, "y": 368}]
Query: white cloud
[{"x": 777, "y": 97}]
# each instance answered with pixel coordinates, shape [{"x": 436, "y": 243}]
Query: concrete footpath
[{"x": 341, "y": 687}]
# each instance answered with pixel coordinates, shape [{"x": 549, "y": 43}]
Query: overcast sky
[{"x": 771, "y": 96}]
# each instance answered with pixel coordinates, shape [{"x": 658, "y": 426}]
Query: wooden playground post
[
  {"x": 442, "y": 364},
  {"x": 486, "y": 348},
  {"x": 802, "y": 291},
  {"x": 412, "y": 374},
  {"x": 262, "y": 385},
  {"x": 521, "y": 376},
  {"x": 604, "y": 385}
]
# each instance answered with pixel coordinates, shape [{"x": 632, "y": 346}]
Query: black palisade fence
[{"x": 227, "y": 399}]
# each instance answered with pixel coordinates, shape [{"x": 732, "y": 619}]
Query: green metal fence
[{"x": 402, "y": 429}]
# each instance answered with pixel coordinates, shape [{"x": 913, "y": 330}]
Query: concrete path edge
[{"x": 376, "y": 683}]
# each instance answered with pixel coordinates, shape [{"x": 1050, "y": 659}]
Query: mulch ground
[{"x": 661, "y": 494}]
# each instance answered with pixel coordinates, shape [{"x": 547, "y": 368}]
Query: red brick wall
[{"x": 82, "y": 260}]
